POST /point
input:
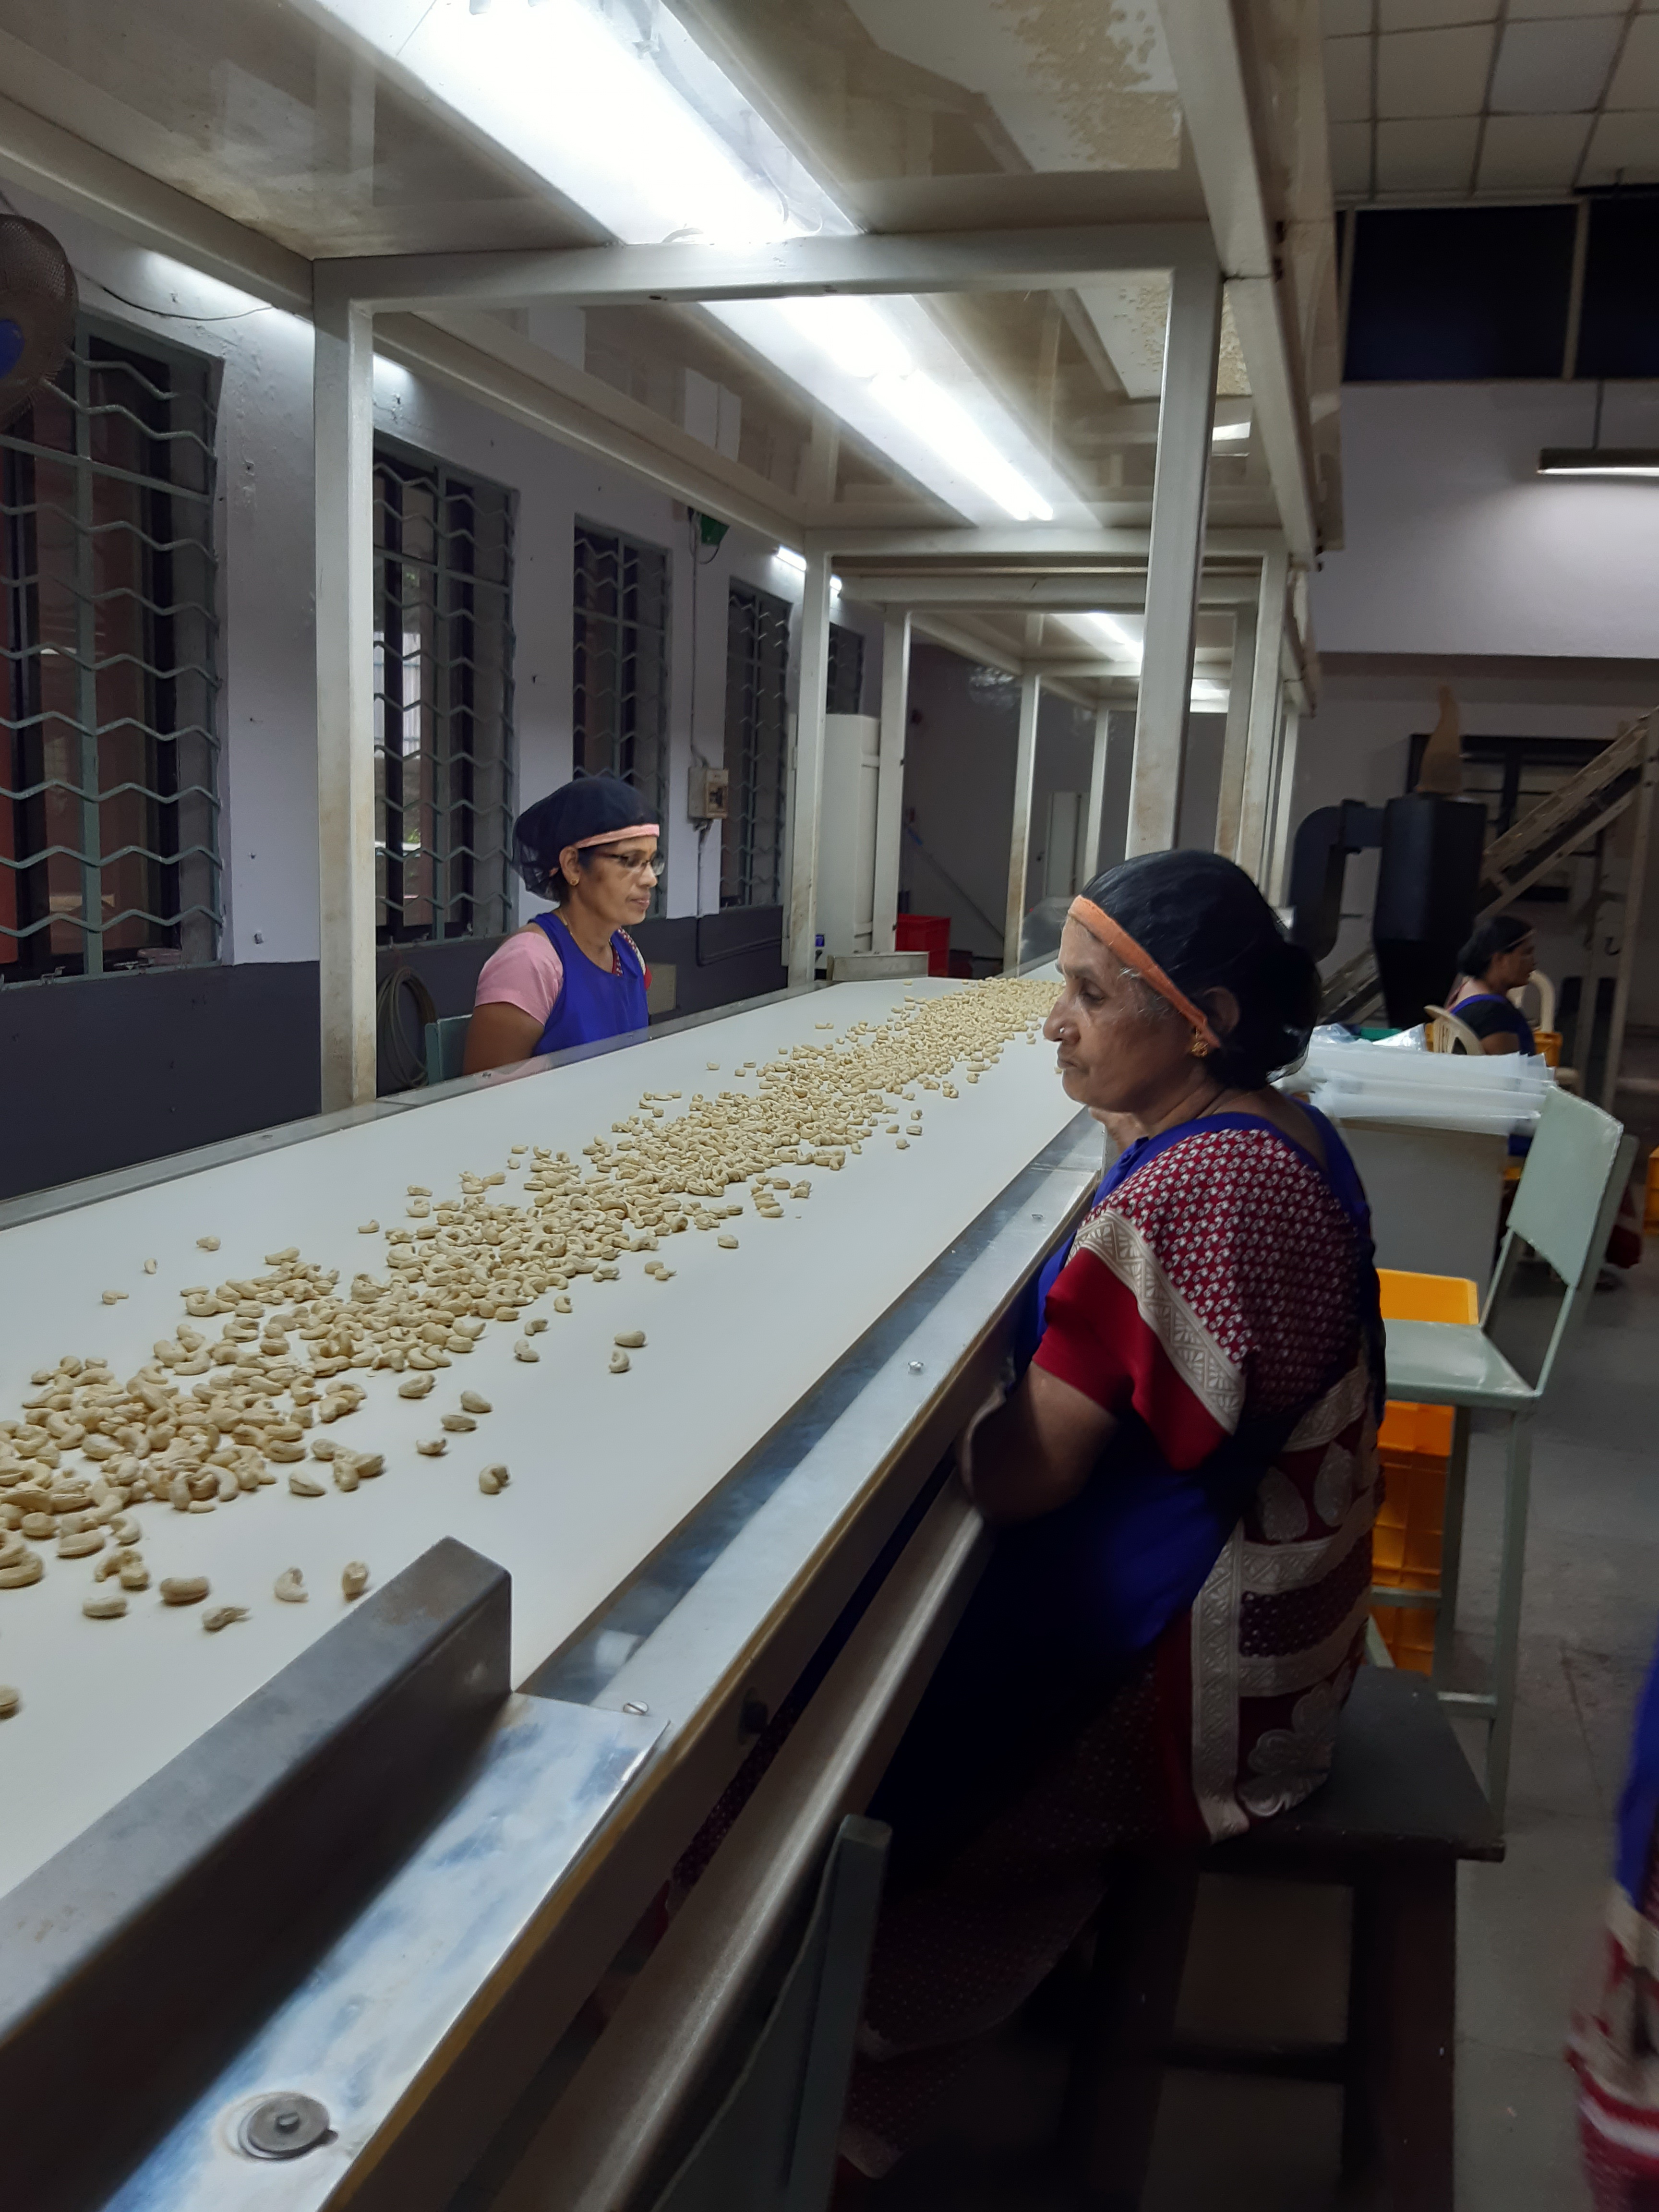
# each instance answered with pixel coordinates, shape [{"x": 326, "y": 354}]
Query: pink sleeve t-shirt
[
  {"x": 524, "y": 972},
  {"x": 527, "y": 972}
]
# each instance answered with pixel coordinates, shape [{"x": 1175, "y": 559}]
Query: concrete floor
[{"x": 1528, "y": 1928}]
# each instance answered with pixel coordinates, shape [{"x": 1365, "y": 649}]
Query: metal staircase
[{"x": 1620, "y": 776}]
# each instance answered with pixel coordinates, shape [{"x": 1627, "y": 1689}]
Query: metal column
[
  {"x": 1095, "y": 823},
  {"x": 1229, "y": 800},
  {"x": 1019, "y": 832},
  {"x": 1255, "y": 805},
  {"x": 1174, "y": 558},
  {"x": 1279, "y": 856},
  {"x": 1632, "y": 919},
  {"x": 890, "y": 778},
  {"x": 342, "y": 399},
  {"x": 809, "y": 770},
  {"x": 89, "y": 775}
]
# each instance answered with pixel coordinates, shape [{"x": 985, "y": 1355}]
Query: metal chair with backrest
[{"x": 1564, "y": 1207}]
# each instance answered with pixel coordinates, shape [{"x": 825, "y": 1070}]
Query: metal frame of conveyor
[{"x": 834, "y": 1556}]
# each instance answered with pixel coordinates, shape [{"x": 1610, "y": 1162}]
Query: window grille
[
  {"x": 620, "y": 663},
  {"x": 844, "y": 691},
  {"x": 443, "y": 701},
  {"x": 108, "y": 684},
  {"x": 757, "y": 747}
]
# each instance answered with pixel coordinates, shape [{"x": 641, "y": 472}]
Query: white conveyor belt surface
[{"x": 604, "y": 1466}]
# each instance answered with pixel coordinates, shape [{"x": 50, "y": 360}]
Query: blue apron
[{"x": 591, "y": 1004}]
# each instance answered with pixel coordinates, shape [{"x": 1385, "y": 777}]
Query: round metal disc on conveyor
[{"x": 283, "y": 2126}]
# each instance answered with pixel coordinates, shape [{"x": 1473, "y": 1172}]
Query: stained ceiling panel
[
  {"x": 1554, "y": 68},
  {"x": 1428, "y": 155},
  {"x": 1636, "y": 79},
  {"x": 1531, "y": 153},
  {"x": 1433, "y": 72},
  {"x": 1624, "y": 150}
]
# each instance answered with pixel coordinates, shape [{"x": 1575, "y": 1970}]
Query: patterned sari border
[{"x": 1213, "y": 1379}]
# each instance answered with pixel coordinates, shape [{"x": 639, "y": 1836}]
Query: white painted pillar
[
  {"x": 343, "y": 409},
  {"x": 1019, "y": 831},
  {"x": 809, "y": 770},
  {"x": 1278, "y": 860},
  {"x": 1094, "y": 822},
  {"x": 1230, "y": 800},
  {"x": 1175, "y": 562},
  {"x": 890, "y": 780},
  {"x": 1255, "y": 805}
]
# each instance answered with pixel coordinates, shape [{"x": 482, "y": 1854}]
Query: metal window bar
[
  {"x": 844, "y": 689},
  {"x": 443, "y": 701},
  {"x": 620, "y": 665},
  {"x": 756, "y": 746},
  {"x": 109, "y": 666}
]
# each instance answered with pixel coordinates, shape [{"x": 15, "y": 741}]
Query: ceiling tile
[
  {"x": 1624, "y": 146},
  {"x": 1636, "y": 80},
  {"x": 1433, "y": 156},
  {"x": 1433, "y": 72},
  {"x": 1434, "y": 14},
  {"x": 1527, "y": 152},
  {"x": 1351, "y": 160},
  {"x": 1342, "y": 17},
  {"x": 1555, "y": 68},
  {"x": 1348, "y": 79}
]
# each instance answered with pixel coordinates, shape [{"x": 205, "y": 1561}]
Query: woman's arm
[
  {"x": 498, "y": 1035},
  {"x": 1035, "y": 1452}
]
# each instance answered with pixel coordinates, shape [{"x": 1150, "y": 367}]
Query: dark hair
[
  {"x": 1499, "y": 933},
  {"x": 586, "y": 807},
  {"x": 1208, "y": 927}
]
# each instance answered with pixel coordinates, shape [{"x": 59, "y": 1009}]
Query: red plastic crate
[{"x": 925, "y": 933}]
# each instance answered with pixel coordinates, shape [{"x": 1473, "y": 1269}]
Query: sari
[{"x": 1163, "y": 1661}]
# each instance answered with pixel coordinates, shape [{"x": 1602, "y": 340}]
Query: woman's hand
[{"x": 1034, "y": 1453}]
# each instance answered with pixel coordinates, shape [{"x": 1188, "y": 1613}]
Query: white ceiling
[{"x": 1491, "y": 99}]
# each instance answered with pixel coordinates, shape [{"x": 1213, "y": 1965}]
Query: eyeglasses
[{"x": 653, "y": 863}]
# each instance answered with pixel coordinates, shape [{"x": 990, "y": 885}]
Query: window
[
  {"x": 844, "y": 691},
  {"x": 1619, "y": 332},
  {"x": 757, "y": 747},
  {"x": 620, "y": 720},
  {"x": 443, "y": 701},
  {"x": 108, "y": 683},
  {"x": 1444, "y": 294}
]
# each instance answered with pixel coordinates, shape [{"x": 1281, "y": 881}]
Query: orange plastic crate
[
  {"x": 1414, "y": 1444},
  {"x": 1650, "y": 1213},
  {"x": 1408, "y": 1632}
]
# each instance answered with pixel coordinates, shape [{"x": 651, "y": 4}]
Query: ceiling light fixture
[
  {"x": 789, "y": 558},
  {"x": 1224, "y": 432},
  {"x": 653, "y": 141},
  {"x": 1104, "y": 629},
  {"x": 1599, "y": 461}
]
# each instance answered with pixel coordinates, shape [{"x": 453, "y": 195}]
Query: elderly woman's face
[{"x": 1115, "y": 1056}]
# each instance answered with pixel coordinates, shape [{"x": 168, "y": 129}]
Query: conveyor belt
[{"x": 605, "y": 1467}]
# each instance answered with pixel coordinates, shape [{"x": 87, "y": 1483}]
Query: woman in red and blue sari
[{"x": 1184, "y": 1481}]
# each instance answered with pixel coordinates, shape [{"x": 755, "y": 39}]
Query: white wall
[
  {"x": 268, "y": 828},
  {"x": 1455, "y": 545},
  {"x": 1537, "y": 599}
]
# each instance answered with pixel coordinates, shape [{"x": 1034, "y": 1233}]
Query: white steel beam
[
  {"x": 1212, "y": 83},
  {"x": 1057, "y": 258},
  {"x": 1120, "y": 592},
  {"x": 809, "y": 771},
  {"x": 1174, "y": 560},
  {"x": 1019, "y": 828},
  {"x": 1230, "y": 800},
  {"x": 343, "y": 402},
  {"x": 1095, "y": 821},
  {"x": 1255, "y": 801},
  {"x": 1031, "y": 543},
  {"x": 1279, "y": 861},
  {"x": 890, "y": 778}
]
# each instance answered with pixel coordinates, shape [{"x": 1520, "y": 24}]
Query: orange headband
[
  {"x": 620, "y": 837},
  {"x": 1089, "y": 916}
]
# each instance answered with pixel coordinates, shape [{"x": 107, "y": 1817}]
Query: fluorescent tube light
[
  {"x": 1224, "y": 431},
  {"x": 1104, "y": 629},
  {"x": 789, "y": 558},
  {"x": 1599, "y": 461}
]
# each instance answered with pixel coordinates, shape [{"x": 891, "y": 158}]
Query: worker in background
[
  {"x": 1182, "y": 1483},
  {"x": 574, "y": 976},
  {"x": 1497, "y": 960}
]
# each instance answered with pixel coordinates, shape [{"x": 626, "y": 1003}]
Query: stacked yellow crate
[{"x": 1414, "y": 1445}]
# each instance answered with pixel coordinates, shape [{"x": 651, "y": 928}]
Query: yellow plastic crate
[{"x": 1650, "y": 1212}]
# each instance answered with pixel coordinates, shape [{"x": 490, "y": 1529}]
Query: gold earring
[{"x": 1197, "y": 1049}]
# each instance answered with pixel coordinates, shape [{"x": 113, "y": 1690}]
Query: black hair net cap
[
  {"x": 1207, "y": 925},
  {"x": 591, "y": 806}
]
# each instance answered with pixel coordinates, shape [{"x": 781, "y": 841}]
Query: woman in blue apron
[
  {"x": 1497, "y": 960},
  {"x": 574, "y": 976}
]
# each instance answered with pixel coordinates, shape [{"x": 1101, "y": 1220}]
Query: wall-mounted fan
[{"x": 38, "y": 306}]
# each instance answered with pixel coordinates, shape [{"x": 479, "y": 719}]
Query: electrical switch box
[{"x": 710, "y": 791}]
